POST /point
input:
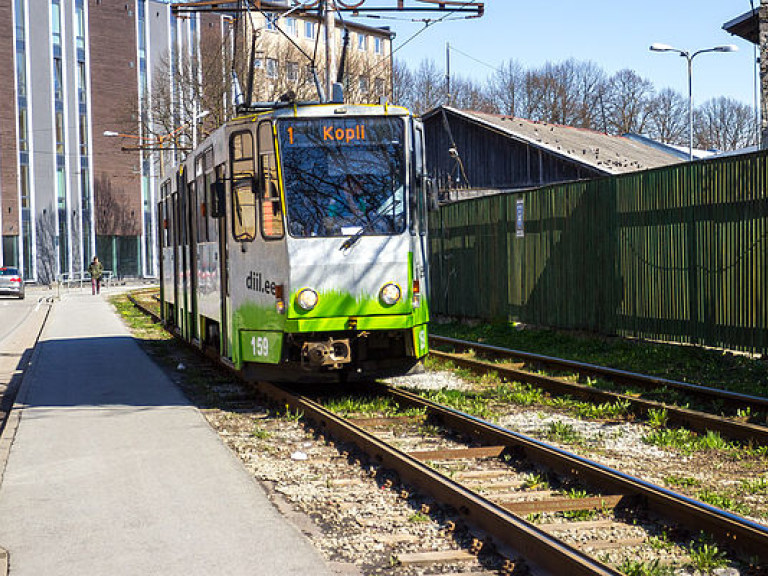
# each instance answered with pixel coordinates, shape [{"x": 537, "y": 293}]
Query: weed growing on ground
[
  {"x": 564, "y": 432},
  {"x": 535, "y": 481},
  {"x": 657, "y": 418},
  {"x": 418, "y": 517},
  {"x": 352, "y": 405},
  {"x": 640, "y": 568},
  {"x": 618, "y": 409},
  {"x": 469, "y": 402},
  {"x": 681, "y": 481},
  {"x": 755, "y": 486},
  {"x": 259, "y": 433},
  {"x": 706, "y": 557},
  {"x": 291, "y": 416},
  {"x": 723, "y": 501}
]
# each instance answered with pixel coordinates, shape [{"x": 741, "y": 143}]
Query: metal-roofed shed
[{"x": 505, "y": 152}]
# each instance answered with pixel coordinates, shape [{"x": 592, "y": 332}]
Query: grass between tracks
[{"x": 710, "y": 367}]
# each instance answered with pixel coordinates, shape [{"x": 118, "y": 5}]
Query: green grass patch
[
  {"x": 363, "y": 405},
  {"x": 685, "y": 363}
]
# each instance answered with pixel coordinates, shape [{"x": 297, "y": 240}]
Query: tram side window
[
  {"x": 243, "y": 192},
  {"x": 200, "y": 205},
  {"x": 271, "y": 208}
]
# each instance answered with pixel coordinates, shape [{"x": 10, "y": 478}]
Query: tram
[{"x": 294, "y": 243}]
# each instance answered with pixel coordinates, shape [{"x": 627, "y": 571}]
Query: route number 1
[{"x": 260, "y": 346}]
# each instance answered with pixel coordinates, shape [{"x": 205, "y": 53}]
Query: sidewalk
[{"x": 112, "y": 472}]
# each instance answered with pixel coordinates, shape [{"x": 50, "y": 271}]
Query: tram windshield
[{"x": 343, "y": 176}]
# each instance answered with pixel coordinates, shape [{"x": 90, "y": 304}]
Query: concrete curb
[
  {"x": 20, "y": 383},
  {"x": 3, "y": 562}
]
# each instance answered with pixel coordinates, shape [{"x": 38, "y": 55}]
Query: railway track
[
  {"x": 502, "y": 521},
  {"x": 697, "y": 420}
]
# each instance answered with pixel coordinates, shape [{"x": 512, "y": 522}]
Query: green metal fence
[{"x": 678, "y": 254}]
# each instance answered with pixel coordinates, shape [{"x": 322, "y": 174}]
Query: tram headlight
[
  {"x": 307, "y": 299},
  {"x": 390, "y": 294}
]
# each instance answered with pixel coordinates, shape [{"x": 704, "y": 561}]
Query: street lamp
[
  {"x": 658, "y": 47},
  {"x": 159, "y": 141}
]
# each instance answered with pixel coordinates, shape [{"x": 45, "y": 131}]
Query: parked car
[{"x": 11, "y": 282}]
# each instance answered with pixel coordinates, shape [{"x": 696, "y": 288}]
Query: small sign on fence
[{"x": 520, "y": 218}]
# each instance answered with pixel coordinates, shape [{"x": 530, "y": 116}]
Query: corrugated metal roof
[{"x": 609, "y": 154}]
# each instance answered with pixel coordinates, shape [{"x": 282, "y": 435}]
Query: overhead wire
[{"x": 428, "y": 22}]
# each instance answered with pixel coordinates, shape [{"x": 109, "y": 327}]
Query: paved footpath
[{"x": 112, "y": 472}]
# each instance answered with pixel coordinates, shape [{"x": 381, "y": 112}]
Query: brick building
[{"x": 71, "y": 70}]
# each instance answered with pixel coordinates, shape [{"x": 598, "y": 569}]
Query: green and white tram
[{"x": 294, "y": 242}]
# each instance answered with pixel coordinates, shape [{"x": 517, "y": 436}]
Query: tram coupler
[{"x": 330, "y": 353}]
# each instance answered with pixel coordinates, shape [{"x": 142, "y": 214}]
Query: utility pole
[
  {"x": 762, "y": 23},
  {"x": 330, "y": 47},
  {"x": 448, "y": 73}
]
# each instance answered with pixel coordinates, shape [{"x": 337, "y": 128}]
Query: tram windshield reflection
[{"x": 343, "y": 176}]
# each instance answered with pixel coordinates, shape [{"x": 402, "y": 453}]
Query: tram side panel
[
  {"x": 207, "y": 258},
  {"x": 257, "y": 258}
]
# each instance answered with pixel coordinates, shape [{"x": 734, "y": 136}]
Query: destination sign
[{"x": 338, "y": 131}]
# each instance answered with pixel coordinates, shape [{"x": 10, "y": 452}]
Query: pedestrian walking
[{"x": 95, "y": 269}]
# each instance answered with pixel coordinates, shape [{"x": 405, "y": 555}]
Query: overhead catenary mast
[
  {"x": 326, "y": 11},
  {"x": 330, "y": 46}
]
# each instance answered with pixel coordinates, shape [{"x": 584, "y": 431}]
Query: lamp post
[{"x": 657, "y": 47}]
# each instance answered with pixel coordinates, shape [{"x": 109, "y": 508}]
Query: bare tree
[
  {"x": 627, "y": 102},
  {"x": 505, "y": 87},
  {"x": 470, "y": 95},
  {"x": 402, "y": 83},
  {"x": 428, "y": 87},
  {"x": 668, "y": 117},
  {"x": 723, "y": 124}
]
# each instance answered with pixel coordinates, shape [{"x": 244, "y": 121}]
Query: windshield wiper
[{"x": 352, "y": 240}]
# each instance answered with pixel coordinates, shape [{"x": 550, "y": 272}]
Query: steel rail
[
  {"x": 537, "y": 547},
  {"x": 695, "y": 420},
  {"x": 614, "y": 374},
  {"x": 745, "y": 536},
  {"x": 534, "y": 545}
]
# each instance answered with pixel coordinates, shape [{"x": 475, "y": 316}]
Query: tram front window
[{"x": 343, "y": 176}]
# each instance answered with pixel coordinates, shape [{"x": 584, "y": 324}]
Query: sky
[{"x": 615, "y": 34}]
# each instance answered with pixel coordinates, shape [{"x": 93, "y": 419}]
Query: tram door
[
  {"x": 176, "y": 244},
  {"x": 183, "y": 255},
  {"x": 191, "y": 223},
  {"x": 224, "y": 270}
]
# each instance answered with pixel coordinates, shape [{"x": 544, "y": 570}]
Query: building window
[
  {"x": 58, "y": 87},
  {"x": 271, "y": 68},
  {"x": 81, "y": 82},
  {"x": 290, "y": 27},
  {"x": 22, "y": 129},
  {"x": 80, "y": 16},
  {"x": 258, "y": 62},
  {"x": 270, "y": 18},
  {"x": 309, "y": 29},
  {"x": 59, "y": 132},
  {"x": 378, "y": 86},
  {"x": 292, "y": 71},
  {"x": 361, "y": 41},
  {"x": 363, "y": 84},
  {"x": 56, "y": 22},
  {"x": 83, "y": 135},
  {"x": 378, "y": 45}
]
